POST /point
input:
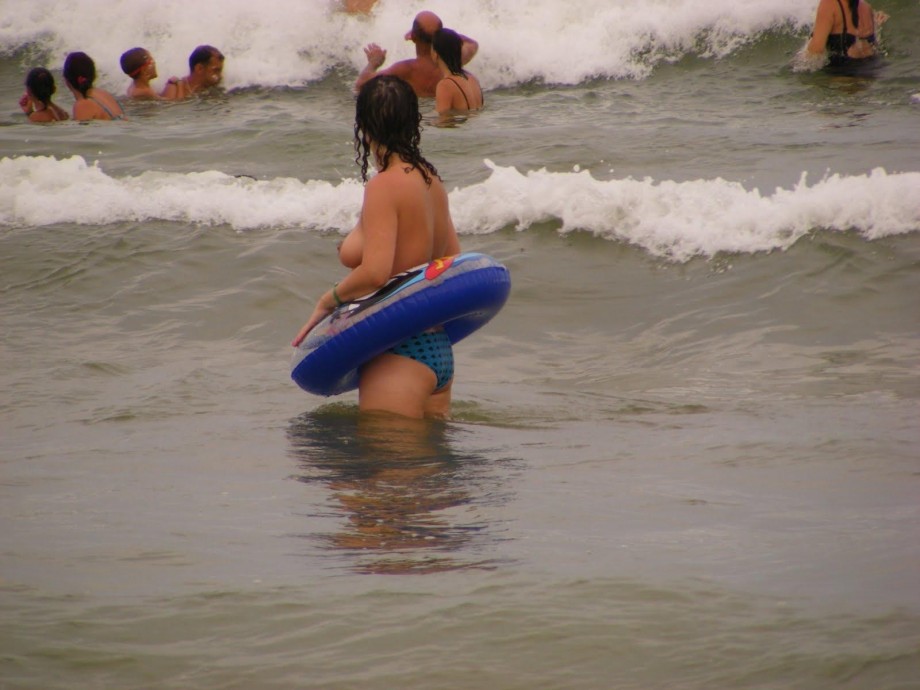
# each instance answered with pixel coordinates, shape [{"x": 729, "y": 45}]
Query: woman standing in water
[
  {"x": 405, "y": 222},
  {"x": 845, "y": 30}
]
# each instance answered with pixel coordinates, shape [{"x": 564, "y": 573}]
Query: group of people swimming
[
  {"x": 437, "y": 71},
  {"x": 206, "y": 64},
  {"x": 845, "y": 33}
]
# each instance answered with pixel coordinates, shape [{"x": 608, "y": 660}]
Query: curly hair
[{"x": 387, "y": 115}]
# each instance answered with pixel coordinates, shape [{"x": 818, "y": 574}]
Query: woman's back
[
  {"x": 99, "y": 105},
  {"x": 841, "y": 34},
  {"x": 458, "y": 92},
  {"x": 399, "y": 204}
]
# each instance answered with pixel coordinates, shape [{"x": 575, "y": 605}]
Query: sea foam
[
  {"x": 295, "y": 42},
  {"x": 668, "y": 219}
]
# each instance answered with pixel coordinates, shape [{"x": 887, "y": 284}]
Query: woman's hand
[
  {"x": 26, "y": 103},
  {"x": 324, "y": 306}
]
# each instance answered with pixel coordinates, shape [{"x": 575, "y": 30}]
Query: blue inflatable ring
[{"x": 461, "y": 293}]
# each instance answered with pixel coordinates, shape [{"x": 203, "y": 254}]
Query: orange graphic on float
[{"x": 437, "y": 267}]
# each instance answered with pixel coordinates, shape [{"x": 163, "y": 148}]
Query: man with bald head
[{"x": 420, "y": 71}]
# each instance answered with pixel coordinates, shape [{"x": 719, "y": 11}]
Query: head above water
[
  {"x": 423, "y": 27},
  {"x": 80, "y": 72},
  {"x": 449, "y": 46},
  {"x": 388, "y": 122},
  {"x": 202, "y": 56},
  {"x": 133, "y": 61},
  {"x": 40, "y": 84}
]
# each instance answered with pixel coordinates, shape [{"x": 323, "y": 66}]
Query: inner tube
[{"x": 459, "y": 293}]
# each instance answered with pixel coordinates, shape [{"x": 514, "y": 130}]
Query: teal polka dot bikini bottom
[{"x": 433, "y": 349}]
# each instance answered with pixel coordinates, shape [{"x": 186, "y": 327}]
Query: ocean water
[{"x": 685, "y": 455}]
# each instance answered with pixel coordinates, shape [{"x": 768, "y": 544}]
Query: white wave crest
[
  {"x": 294, "y": 42},
  {"x": 674, "y": 220}
]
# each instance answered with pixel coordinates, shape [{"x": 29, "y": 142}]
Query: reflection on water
[{"x": 411, "y": 503}]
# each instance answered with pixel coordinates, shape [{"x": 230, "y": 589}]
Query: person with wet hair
[
  {"x": 845, "y": 30},
  {"x": 139, "y": 64},
  {"x": 421, "y": 72},
  {"x": 91, "y": 103},
  {"x": 36, "y": 102},
  {"x": 404, "y": 222},
  {"x": 458, "y": 90},
  {"x": 205, "y": 71}
]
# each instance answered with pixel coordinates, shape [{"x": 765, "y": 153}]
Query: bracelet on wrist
[{"x": 335, "y": 296}]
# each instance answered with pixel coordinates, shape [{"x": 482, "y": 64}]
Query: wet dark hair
[
  {"x": 40, "y": 82},
  {"x": 387, "y": 114},
  {"x": 80, "y": 71},
  {"x": 133, "y": 60},
  {"x": 448, "y": 45},
  {"x": 202, "y": 55}
]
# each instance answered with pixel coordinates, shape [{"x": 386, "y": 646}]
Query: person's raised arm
[
  {"x": 468, "y": 49},
  {"x": 25, "y": 102},
  {"x": 376, "y": 56}
]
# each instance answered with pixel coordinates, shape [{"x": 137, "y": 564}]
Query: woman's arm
[
  {"x": 824, "y": 22},
  {"x": 379, "y": 223},
  {"x": 468, "y": 49}
]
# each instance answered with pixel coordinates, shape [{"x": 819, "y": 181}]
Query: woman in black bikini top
[
  {"x": 843, "y": 45},
  {"x": 458, "y": 90}
]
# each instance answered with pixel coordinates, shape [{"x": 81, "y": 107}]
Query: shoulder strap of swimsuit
[
  {"x": 843, "y": 14},
  {"x": 461, "y": 91},
  {"x": 109, "y": 112}
]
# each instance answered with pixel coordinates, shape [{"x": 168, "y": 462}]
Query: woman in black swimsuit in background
[
  {"x": 845, "y": 30},
  {"x": 458, "y": 90}
]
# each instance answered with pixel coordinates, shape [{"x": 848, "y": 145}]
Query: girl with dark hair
[
  {"x": 36, "y": 101},
  {"x": 845, "y": 30},
  {"x": 405, "y": 222},
  {"x": 458, "y": 90},
  {"x": 90, "y": 103}
]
